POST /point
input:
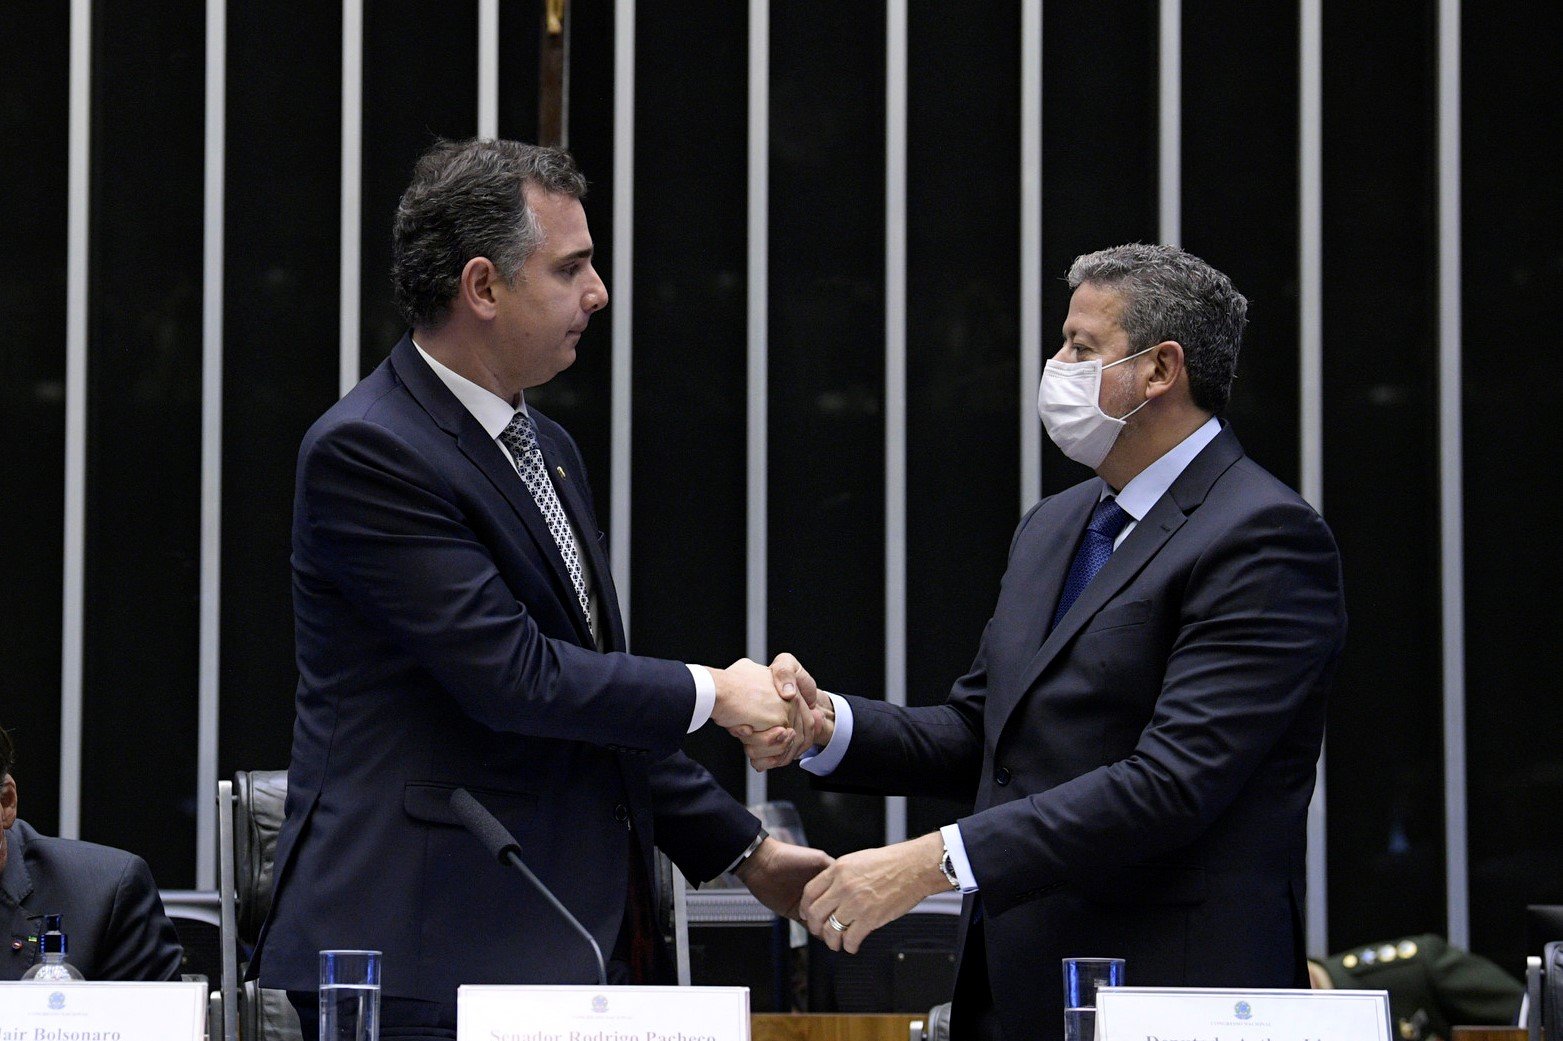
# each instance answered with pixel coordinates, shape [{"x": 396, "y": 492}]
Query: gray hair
[
  {"x": 467, "y": 200},
  {"x": 1172, "y": 295}
]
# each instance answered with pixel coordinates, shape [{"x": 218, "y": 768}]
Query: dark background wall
[{"x": 1385, "y": 812}]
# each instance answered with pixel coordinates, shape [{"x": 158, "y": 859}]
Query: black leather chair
[
  {"x": 1543, "y": 1017},
  {"x": 196, "y": 918},
  {"x": 250, "y": 811}
]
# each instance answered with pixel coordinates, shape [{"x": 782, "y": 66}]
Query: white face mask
[{"x": 1068, "y": 402}]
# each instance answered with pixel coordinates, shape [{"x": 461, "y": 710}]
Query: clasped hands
[
  {"x": 844, "y": 900},
  {"x": 774, "y": 712}
]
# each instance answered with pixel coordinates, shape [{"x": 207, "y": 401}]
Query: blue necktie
[{"x": 1107, "y": 520}]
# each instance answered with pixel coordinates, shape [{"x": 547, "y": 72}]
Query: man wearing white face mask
[{"x": 1139, "y": 731}]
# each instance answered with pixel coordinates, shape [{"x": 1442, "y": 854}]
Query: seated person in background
[
  {"x": 113, "y": 916},
  {"x": 1432, "y": 985}
]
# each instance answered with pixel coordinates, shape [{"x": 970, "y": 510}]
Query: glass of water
[
  {"x": 1082, "y": 977},
  {"x": 349, "y": 996}
]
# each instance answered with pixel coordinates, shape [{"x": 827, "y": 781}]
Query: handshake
[{"x": 776, "y": 713}]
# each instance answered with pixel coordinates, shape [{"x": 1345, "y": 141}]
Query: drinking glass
[
  {"x": 1082, "y": 977},
  {"x": 349, "y": 996}
]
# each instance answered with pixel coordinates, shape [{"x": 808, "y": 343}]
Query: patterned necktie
[
  {"x": 521, "y": 438},
  {"x": 1107, "y": 520}
]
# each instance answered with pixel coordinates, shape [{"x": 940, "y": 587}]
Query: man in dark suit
[
  {"x": 457, "y": 627},
  {"x": 113, "y": 916},
  {"x": 1140, "y": 728}
]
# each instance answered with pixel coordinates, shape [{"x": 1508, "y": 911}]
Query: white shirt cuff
[
  {"x": 821, "y": 761},
  {"x": 705, "y": 696},
  {"x": 958, "y": 859}
]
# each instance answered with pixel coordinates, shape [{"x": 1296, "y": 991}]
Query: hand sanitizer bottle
[{"x": 52, "y": 966}]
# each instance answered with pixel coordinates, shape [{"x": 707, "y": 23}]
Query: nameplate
[
  {"x": 1202, "y": 1014},
  {"x": 543, "y": 1013},
  {"x": 88, "y": 1011}
]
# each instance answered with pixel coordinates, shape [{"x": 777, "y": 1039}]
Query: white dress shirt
[
  {"x": 494, "y": 414},
  {"x": 1136, "y": 499}
]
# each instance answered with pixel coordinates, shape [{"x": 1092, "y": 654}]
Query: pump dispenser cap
[{"x": 52, "y": 939}]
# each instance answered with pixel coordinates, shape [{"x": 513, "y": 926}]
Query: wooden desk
[
  {"x": 1489, "y": 1034},
  {"x": 804, "y": 1026}
]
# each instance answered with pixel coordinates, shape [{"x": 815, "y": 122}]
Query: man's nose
[{"x": 596, "y": 295}]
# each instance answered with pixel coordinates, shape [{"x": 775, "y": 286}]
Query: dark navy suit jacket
[
  {"x": 113, "y": 916},
  {"x": 1141, "y": 775},
  {"x": 441, "y": 645}
]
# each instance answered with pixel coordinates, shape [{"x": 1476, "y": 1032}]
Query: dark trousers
[{"x": 972, "y": 1017}]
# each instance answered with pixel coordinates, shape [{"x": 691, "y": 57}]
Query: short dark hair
[
  {"x": 7, "y": 754},
  {"x": 467, "y": 200},
  {"x": 1172, "y": 295}
]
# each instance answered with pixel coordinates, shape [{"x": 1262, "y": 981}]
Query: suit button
[
  {"x": 621, "y": 813},
  {"x": 1001, "y": 776}
]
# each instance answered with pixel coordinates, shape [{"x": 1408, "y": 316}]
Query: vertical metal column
[
  {"x": 895, "y": 380},
  {"x": 1451, "y": 472},
  {"x": 352, "y": 198},
  {"x": 1171, "y": 122},
  {"x": 757, "y": 558},
  {"x": 211, "y": 442},
  {"x": 1310, "y": 266},
  {"x": 622, "y": 290},
  {"x": 78, "y": 290},
  {"x": 1030, "y": 250},
  {"x": 488, "y": 68}
]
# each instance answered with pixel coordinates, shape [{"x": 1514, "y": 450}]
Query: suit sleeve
[
  {"x": 934, "y": 750},
  {"x": 697, "y": 824},
  {"x": 1262, "y": 622},
  {"x": 383, "y": 525},
  {"x": 139, "y": 942}
]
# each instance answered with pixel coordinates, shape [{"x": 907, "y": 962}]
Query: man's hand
[
  {"x": 777, "y": 871},
  {"x": 749, "y": 701},
  {"x": 863, "y": 891},
  {"x": 769, "y": 749}
]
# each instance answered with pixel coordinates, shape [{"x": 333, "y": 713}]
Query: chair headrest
[{"x": 259, "y": 796}]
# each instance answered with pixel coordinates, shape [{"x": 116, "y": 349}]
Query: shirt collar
[
  {"x": 492, "y": 412},
  {"x": 1151, "y": 483}
]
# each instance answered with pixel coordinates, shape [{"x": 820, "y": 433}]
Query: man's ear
[
  {"x": 478, "y": 279},
  {"x": 1166, "y": 368},
  {"x": 7, "y": 803}
]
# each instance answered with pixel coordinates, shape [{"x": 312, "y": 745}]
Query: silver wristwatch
[{"x": 947, "y": 865}]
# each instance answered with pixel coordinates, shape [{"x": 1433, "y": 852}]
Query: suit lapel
[
  {"x": 16, "y": 885},
  {"x": 473, "y": 441},
  {"x": 1142, "y": 544}
]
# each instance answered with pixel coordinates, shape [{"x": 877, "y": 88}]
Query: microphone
[{"x": 502, "y": 846}]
